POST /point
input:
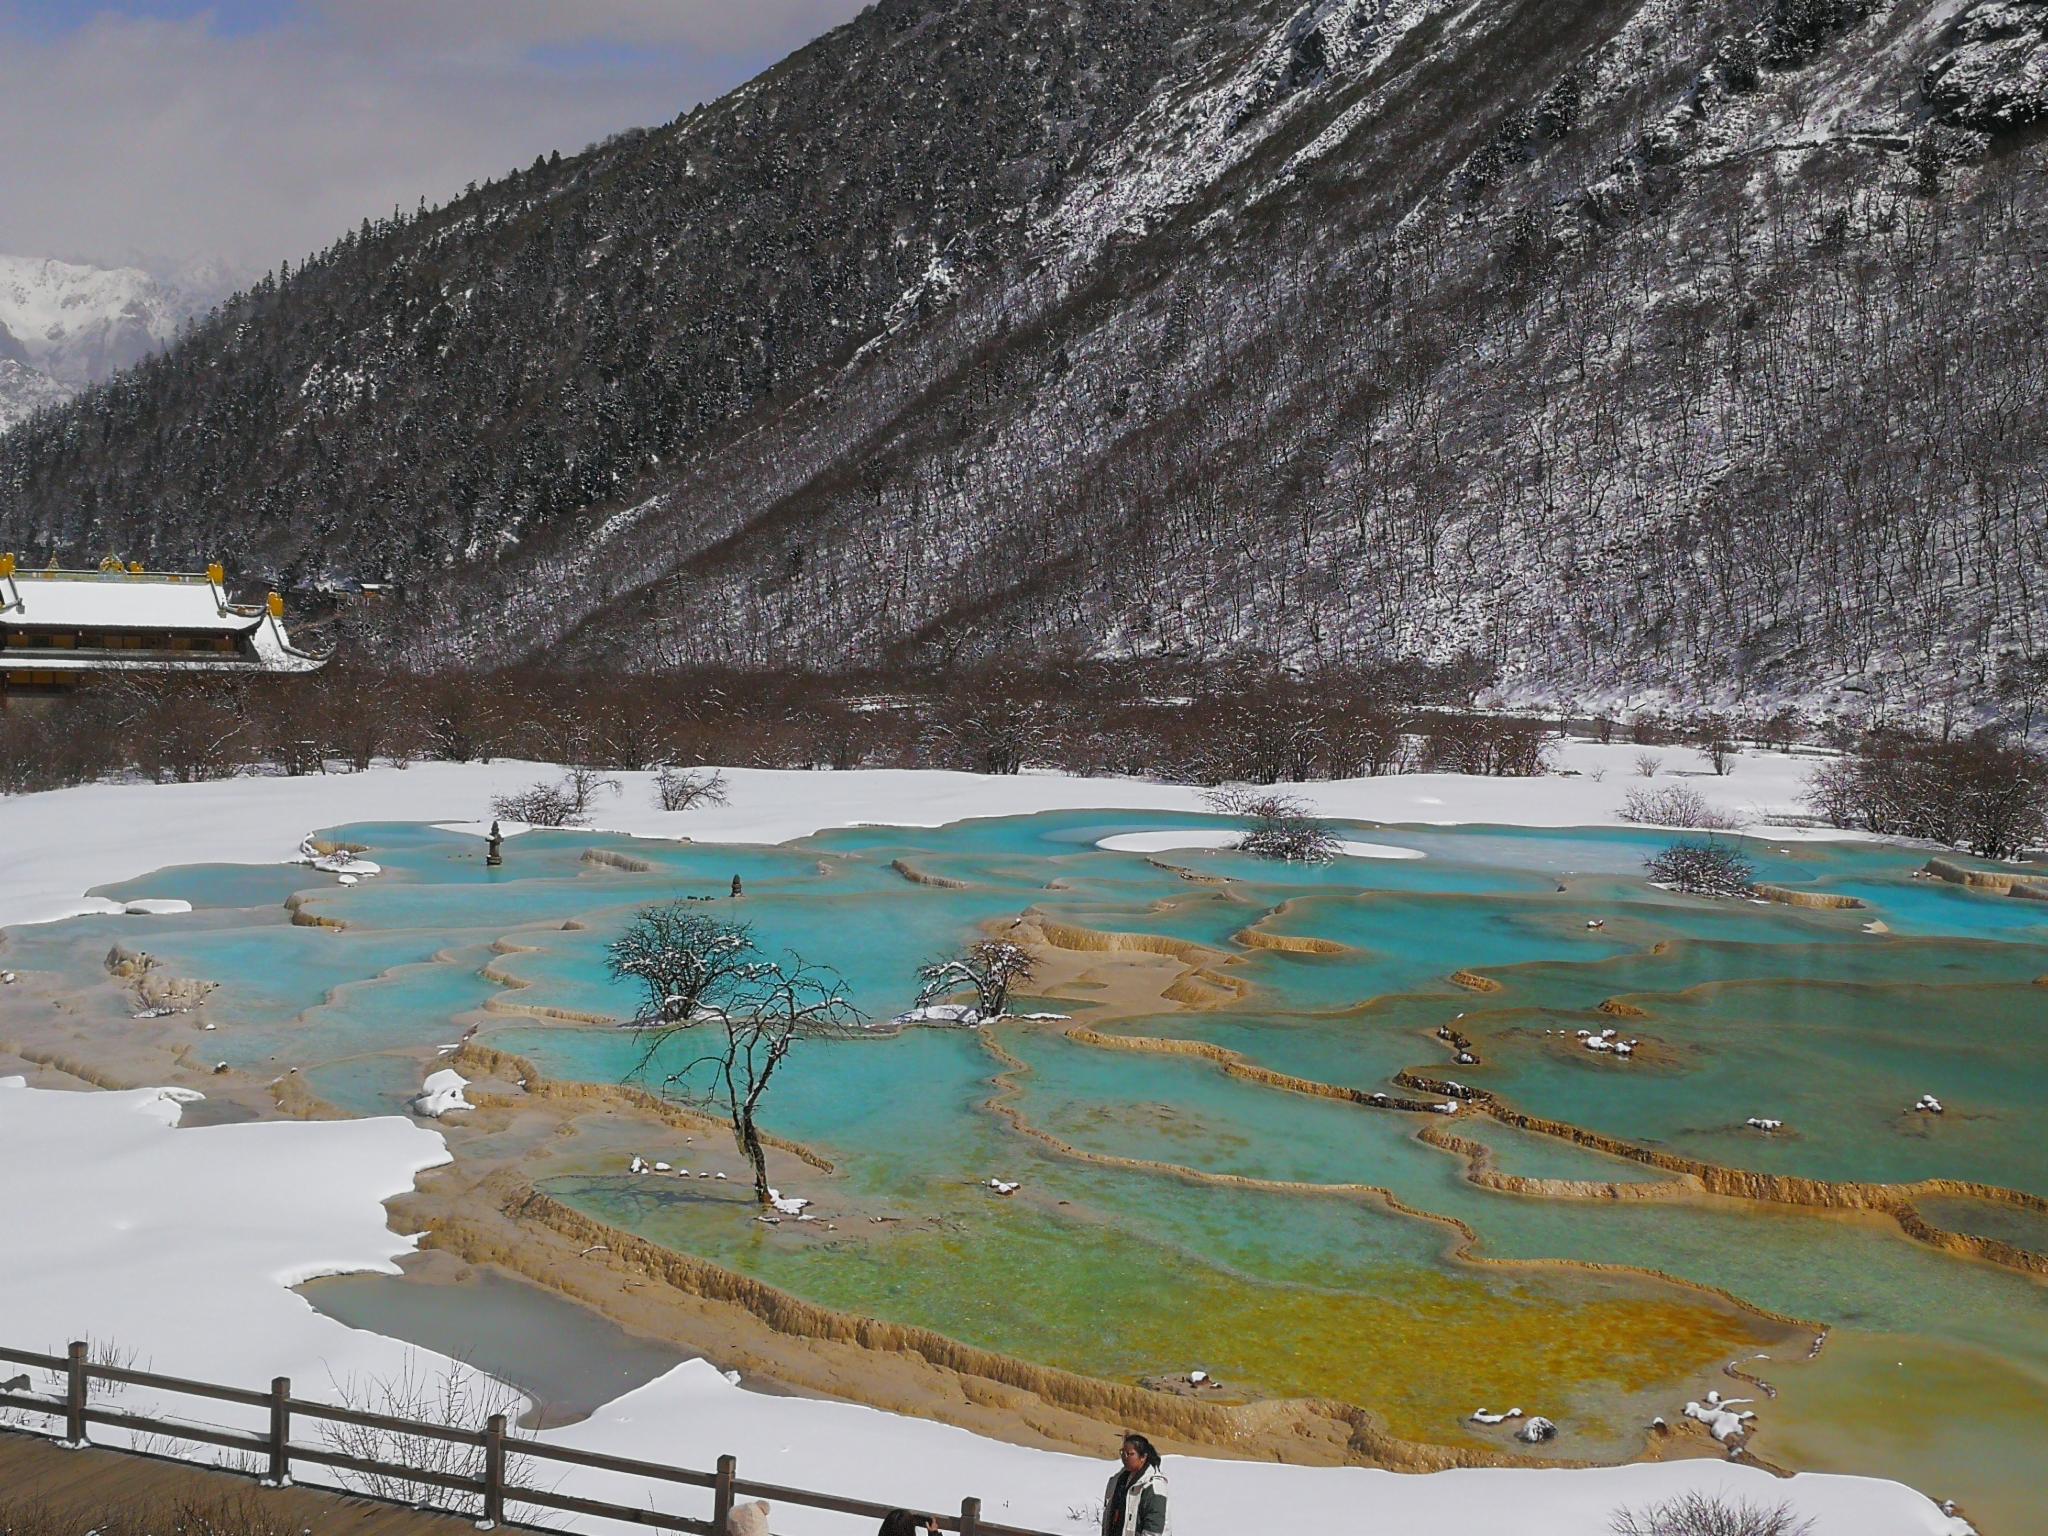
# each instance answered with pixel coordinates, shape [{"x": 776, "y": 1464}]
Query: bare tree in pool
[{"x": 705, "y": 990}]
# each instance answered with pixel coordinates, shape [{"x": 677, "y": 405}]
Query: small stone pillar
[
  {"x": 736, "y": 886},
  {"x": 494, "y": 848}
]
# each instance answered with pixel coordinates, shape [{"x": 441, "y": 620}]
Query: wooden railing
[{"x": 500, "y": 1485}]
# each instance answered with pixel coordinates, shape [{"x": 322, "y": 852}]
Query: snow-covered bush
[
  {"x": 1702, "y": 867},
  {"x": 1282, "y": 826},
  {"x": 1678, "y": 805}
]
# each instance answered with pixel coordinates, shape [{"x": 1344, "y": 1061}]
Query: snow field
[{"x": 63, "y": 842}]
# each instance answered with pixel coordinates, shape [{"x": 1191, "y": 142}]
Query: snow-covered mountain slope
[
  {"x": 64, "y": 326},
  {"x": 1649, "y": 348},
  {"x": 25, "y": 389}
]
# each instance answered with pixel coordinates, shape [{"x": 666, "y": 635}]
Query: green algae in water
[{"x": 1021, "y": 1281}]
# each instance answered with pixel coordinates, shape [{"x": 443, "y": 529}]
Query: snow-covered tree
[
  {"x": 679, "y": 957},
  {"x": 987, "y": 969}
]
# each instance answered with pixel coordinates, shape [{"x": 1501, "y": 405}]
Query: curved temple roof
[
  {"x": 119, "y": 600},
  {"x": 87, "y": 602}
]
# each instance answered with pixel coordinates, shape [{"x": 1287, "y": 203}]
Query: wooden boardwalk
[{"x": 82, "y": 1485}]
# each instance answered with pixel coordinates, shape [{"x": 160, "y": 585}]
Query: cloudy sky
[{"x": 172, "y": 133}]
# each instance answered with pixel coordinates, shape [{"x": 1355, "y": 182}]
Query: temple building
[{"x": 58, "y": 626}]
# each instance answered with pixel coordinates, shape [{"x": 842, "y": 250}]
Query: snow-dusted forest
[{"x": 1651, "y": 349}]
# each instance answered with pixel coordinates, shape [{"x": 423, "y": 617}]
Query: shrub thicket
[{"x": 1983, "y": 792}]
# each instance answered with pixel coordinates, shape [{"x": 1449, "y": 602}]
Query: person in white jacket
[{"x": 1135, "y": 1502}]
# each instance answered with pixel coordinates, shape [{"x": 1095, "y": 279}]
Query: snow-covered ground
[
  {"x": 62, "y": 843},
  {"x": 181, "y": 1244}
]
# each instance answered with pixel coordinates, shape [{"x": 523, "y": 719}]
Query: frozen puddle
[{"x": 570, "y": 1361}]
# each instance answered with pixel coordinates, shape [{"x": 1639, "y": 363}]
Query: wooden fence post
[
  {"x": 721, "y": 1495},
  {"x": 74, "y": 1396},
  {"x": 280, "y": 1431},
  {"x": 494, "y": 1473},
  {"x": 970, "y": 1516}
]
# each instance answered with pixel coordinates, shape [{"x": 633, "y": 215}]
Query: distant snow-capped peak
[{"x": 78, "y": 324}]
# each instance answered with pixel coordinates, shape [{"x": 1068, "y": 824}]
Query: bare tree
[
  {"x": 2022, "y": 689},
  {"x": 566, "y": 804},
  {"x": 703, "y": 990},
  {"x": 987, "y": 969},
  {"x": 1980, "y": 792},
  {"x": 580, "y": 786},
  {"x": 682, "y": 789}
]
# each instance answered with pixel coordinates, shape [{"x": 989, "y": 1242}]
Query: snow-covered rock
[{"x": 1993, "y": 71}]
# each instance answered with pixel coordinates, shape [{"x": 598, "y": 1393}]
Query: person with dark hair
[
  {"x": 1135, "y": 1503},
  {"x": 901, "y": 1522}
]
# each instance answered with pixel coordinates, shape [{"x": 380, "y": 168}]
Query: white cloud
[
  {"x": 708, "y": 27},
  {"x": 165, "y": 142}
]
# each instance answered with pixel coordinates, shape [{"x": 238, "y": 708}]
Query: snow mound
[
  {"x": 940, "y": 1013},
  {"x": 441, "y": 1094},
  {"x": 1723, "y": 1416}
]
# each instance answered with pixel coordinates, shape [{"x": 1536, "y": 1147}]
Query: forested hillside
[{"x": 1641, "y": 346}]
